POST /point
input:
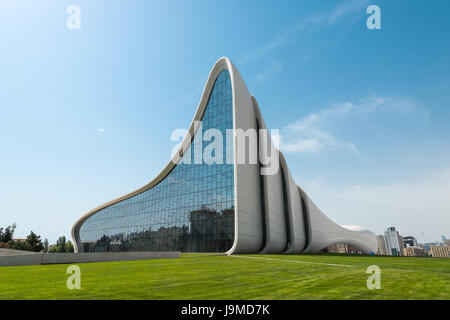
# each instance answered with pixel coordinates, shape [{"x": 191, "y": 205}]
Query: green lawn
[{"x": 237, "y": 277}]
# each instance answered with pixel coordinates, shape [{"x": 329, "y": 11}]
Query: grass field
[{"x": 237, "y": 277}]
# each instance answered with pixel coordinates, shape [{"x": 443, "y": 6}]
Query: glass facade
[{"x": 191, "y": 210}]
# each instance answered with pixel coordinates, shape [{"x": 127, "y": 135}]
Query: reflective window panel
[{"x": 191, "y": 210}]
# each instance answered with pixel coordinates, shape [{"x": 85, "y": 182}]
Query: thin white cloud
[
  {"x": 306, "y": 145},
  {"x": 315, "y": 21},
  {"x": 319, "y": 131},
  {"x": 100, "y": 130},
  {"x": 345, "y": 8},
  {"x": 270, "y": 71},
  {"x": 414, "y": 205}
]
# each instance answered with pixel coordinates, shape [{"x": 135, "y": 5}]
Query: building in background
[
  {"x": 382, "y": 250},
  {"x": 343, "y": 248},
  {"x": 233, "y": 204},
  {"x": 338, "y": 248},
  {"x": 409, "y": 241},
  {"x": 394, "y": 242},
  {"x": 354, "y": 250},
  {"x": 401, "y": 244},
  {"x": 413, "y": 252},
  {"x": 427, "y": 246},
  {"x": 445, "y": 241},
  {"x": 440, "y": 251}
]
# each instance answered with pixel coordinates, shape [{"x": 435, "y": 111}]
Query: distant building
[
  {"x": 440, "y": 251},
  {"x": 382, "y": 250},
  {"x": 427, "y": 246},
  {"x": 409, "y": 241},
  {"x": 400, "y": 243},
  {"x": 413, "y": 252},
  {"x": 338, "y": 248},
  {"x": 445, "y": 241},
  {"x": 353, "y": 250},
  {"x": 394, "y": 242},
  {"x": 343, "y": 248}
]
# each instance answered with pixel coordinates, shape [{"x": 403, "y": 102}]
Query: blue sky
[{"x": 87, "y": 115}]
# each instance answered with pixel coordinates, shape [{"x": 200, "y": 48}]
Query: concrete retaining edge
[{"x": 66, "y": 258}]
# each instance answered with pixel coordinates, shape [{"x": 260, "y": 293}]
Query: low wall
[
  {"x": 52, "y": 258},
  {"x": 20, "y": 260},
  {"x": 65, "y": 258},
  {"x": 12, "y": 252}
]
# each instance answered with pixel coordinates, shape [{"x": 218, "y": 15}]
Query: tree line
[{"x": 33, "y": 242}]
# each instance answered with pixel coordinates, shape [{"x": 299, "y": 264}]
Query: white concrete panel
[
  {"x": 248, "y": 218},
  {"x": 324, "y": 233},
  {"x": 276, "y": 235},
  {"x": 296, "y": 220}
]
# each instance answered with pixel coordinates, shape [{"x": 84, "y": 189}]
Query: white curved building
[{"x": 236, "y": 203}]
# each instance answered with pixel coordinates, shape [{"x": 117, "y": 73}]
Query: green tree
[
  {"x": 46, "y": 245},
  {"x": 16, "y": 245},
  {"x": 32, "y": 243},
  {"x": 54, "y": 248},
  {"x": 35, "y": 243},
  {"x": 6, "y": 234},
  {"x": 61, "y": 242},
  {"x": 69, "y": 246},
  {"x": 62, "y": 245}
]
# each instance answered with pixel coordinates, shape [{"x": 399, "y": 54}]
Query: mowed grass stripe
[
  {"x": 223, "y": 277},
  {"x": 292, "y": 261}
]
